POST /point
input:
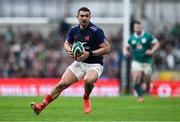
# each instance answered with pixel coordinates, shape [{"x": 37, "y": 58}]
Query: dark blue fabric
[{"x": 92, "y": 36}]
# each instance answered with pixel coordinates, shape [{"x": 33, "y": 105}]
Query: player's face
[
  {"x": 138, "y": 28},
  {"x": 84, "y": 18}
]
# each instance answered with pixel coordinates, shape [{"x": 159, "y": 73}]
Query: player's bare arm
[
  {"x": 104, "y": 48},
  {"x": 68, "y": 47},
  {"x": 126, "y": 51},
  {"x": 84, "y": 56},
  {"x": 155, "y": 46}
]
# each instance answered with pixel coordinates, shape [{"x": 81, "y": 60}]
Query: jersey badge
[
  {"x": 144, "y": 40},
  {"x": 93, "y": 28},
  {"x": 87, "y": 38},
  {"x": 138, "y": 46},
  {"x": 133, "y": 41}
]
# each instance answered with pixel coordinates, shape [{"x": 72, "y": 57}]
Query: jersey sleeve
[
  {"x": 69, "y": 37},
  {"x": 100, "y": 36},
  {"x": 153, "y": 39},
  {"x": 128, "y": 43}
]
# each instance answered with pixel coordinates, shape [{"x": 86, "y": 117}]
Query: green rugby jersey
[{"x": 139, "y": 45}]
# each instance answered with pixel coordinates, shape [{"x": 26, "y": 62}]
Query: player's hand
[
  {"x": 84, "y": 56},
  {"x": 127, "y": 53},
  {"x": 70, "y": 53},
  {"x": 149, "y": 52}
]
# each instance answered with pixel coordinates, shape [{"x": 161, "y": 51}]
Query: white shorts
[
  {"x": 146, "y": 68},
  {"x": 80, "y": 69}
]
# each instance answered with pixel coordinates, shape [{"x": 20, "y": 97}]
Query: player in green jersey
[{"x": 142, "y": 45}]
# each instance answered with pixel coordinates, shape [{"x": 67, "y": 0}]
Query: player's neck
[
  {"x": 139, "y": 33},
  {"x": 136, "y": 34},
  {"x": 83, "y": 26}
]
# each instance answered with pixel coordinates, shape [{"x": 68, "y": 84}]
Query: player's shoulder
[
  {"x": 74, "y": 27},
  {"x": 132, "y": 36},
  {"x": 94, "y": 27},
  {"x": 148, "y": 34}
]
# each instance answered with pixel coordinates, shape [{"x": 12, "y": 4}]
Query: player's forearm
[
  {"x": 67, "y": 46},
  {"x": 104, "y": 49},
  {"x": 126, "y": 51},
  {"x": 101, "y": 51},
  {"x": 155, "y": 46}
]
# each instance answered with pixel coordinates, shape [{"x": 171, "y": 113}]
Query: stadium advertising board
[
  {"x": 165, "y": 89},
  {"x": 40, "y": 87}
]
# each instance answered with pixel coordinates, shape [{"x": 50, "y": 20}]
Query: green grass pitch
[{"x": 123, "y": 108}]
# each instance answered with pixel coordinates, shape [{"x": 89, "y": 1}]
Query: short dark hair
[
  {"x": 84, "y": 9},
  {"x": 137, "y": 22}
]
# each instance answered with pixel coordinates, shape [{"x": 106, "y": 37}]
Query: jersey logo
[
  {"x": 138, "y": 46},
  {"x": 144, "y": 40},
  {"x": 133, "y": 41},
  {"x": 87, "y": 38},
  {"x": 93, "y": 28},
  {"x": 74, "y": 26}
]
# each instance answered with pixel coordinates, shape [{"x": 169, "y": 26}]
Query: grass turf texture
[{"x": 123, "y": 108}]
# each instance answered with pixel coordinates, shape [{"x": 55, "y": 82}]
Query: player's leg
[
  {"x": 68, "y": 78},
  {"x": 91, "y": 76},
  {"x": 147, "y": 79},
  {"x": 137, "y": 78},
  {"x": 137, "y": 75},
  {"x": 147, "y": 75},
  {"x": 143, "y": 83}
]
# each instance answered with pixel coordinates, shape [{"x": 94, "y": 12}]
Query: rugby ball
[{"x": 77, "y": 49}]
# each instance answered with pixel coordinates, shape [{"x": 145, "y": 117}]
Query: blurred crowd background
[{"x": 31, "y": 53}]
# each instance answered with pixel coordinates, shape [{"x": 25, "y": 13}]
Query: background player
[
  {"x": 143, "y": 46},
  {"x": 88, "y": 66}
]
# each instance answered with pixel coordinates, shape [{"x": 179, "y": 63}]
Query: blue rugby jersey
[{"x": 92, "y": 36}]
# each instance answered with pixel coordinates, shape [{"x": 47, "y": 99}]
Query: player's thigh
[
  {"x": 147, "y": 69},
  {"x": 137, "y": 70},
  {"x": 147, "y": 77},
  {"x": 136, "y": 75},
  {"x": 68, "y": 78},
  {"x": 91, "y": 76},
  {"x": 77, "y": 69},
  {"x": 136, "y": 66},
  {"x": 94, "y": 71}
]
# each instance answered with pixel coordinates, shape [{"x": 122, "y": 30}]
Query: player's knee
[
  {"x": 136, "y": 80},
  {"x": 89, "y": 80},
  {"x": 61, "y": 86}
]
